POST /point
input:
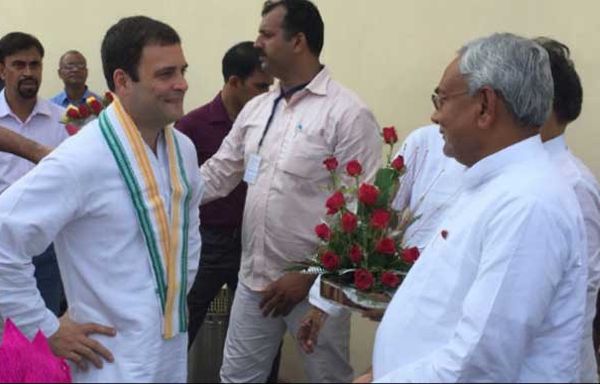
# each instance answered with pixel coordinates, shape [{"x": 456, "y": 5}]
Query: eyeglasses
[
  {"x": 438, "y": 100},
  {"x": 73, "y": 66}
]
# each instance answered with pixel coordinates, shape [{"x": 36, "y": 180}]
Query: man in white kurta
[
  {"x": 499, "y": 293},
  {"x": 568, "y": 97},
  {"x": 485, "y": 302},
  {"x": 78, "y": 198}
]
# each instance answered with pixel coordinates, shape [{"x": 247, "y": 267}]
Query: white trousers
[{"x": 253, "y": 340}]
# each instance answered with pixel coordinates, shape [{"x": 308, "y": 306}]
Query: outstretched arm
[{"x": 21, "y": 146}]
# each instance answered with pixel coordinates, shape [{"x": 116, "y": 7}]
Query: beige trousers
[{"x": 253, "y": 340}]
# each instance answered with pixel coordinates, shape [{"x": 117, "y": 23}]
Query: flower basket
[
  {"x": 362, "y": 256},
  {"x": 345, "y": 294}
]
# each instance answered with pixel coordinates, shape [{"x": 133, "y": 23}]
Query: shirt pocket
[{"x": 304, "y": 156}]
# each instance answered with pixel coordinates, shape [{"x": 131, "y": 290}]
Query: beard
[{"x": 30, "y": 90}]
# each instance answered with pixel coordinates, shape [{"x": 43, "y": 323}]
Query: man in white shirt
[
  {"x": 500, "y": 296},
  {"x": 568, "y": 96},
  {"x": 120, "y": 201},
  {"x": 23, "y": 112}
]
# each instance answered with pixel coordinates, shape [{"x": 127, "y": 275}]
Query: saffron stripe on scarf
[{"x": 175, "y": 220}]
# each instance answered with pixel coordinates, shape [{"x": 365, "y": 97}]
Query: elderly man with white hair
[{"x": 499, "y": 293}]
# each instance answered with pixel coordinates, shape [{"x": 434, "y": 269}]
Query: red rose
[
  {"x": 335, "y": 202},
  {"x": 390, "y": 279},
  {"x": 109, "y": 97},
  {"x": 71, "y": 129},
  {"x": 84, "y": 111},
  {"x": 368, "y": 194},
  {"x": 330, "y": 261},
  {"x": 410, "y": 255},
  {"x": 356, "y": 254},
  {"x": 363, "y": 279},
  {"x": 331, "y": 163},
  {"x": 323, "y": 231},
  {"x": 95, "y": 105},
  {"x": 354, "y": 168},
  {"x": 380, "y": 218},
  {"x": 398, "y": 163},
  {"x": 386, "y": 246},
  {"x": 73, "y": 112},
  {"x": 389, "y": 135},
  {"x": 349, "y": 222}
]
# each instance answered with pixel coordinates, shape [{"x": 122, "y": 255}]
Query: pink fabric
[{"x": 22, "y": 361}]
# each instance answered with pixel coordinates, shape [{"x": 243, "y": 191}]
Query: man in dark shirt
[{"x": 221, "y": 220}]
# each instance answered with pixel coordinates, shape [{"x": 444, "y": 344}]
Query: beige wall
[{"x": 391, "y": 52}]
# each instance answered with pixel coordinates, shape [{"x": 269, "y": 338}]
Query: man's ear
[
  {"x": 121, "y": 80},
  {"x": 2, "y": 68},
  {"x": 488, "y": 104},
  {"x": 234, "y": 81},
  {"x": 299, "y": 41}
]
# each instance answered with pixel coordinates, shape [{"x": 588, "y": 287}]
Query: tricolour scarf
[{"x": 166, "y": 237}]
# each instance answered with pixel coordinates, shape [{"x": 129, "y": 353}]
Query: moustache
[{"x": 28, "y": 79}]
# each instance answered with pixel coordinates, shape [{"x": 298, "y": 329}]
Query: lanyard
[{"x": 283, "y": 94}]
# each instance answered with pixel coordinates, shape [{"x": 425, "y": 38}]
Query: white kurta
[
  {"x": 77, "y": 198},
  {"x": 502, "y": 297},
  {"x": 586, "y": 188}
]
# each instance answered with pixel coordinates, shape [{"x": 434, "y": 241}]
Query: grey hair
[{"x": 515, "y": 67}]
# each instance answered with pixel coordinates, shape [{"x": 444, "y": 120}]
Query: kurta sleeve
[
  {"x": 521, "y": 269},
  {"x": 194, "y": 240},
  {"x": 32, "y": 213},
  {"x": 225, "y": 169}
]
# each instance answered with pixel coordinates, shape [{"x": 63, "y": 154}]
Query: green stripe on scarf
[{"x": 183, "y": 320}]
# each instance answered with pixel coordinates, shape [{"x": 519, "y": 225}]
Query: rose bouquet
[
  {"x": 361, "y": 256},
  {"x": 76, "y": 117}
]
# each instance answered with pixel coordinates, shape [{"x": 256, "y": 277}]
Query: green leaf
[{"x": 387, "y": 182}]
